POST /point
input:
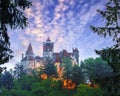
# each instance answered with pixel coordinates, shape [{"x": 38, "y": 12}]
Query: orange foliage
[
  {"x": 68, "y": 84},
  {"x": 44, "y": 76},
  {"x": 93, "y": 85},
  {"x": 60, "y": 72}
]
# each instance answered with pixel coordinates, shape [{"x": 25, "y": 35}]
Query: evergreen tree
[
  {"x": 111, "y": 14},
  {"x": 18, "y": 71},
  {"x": 7, "y": 80},
  {"x": 67, "y": 68},
  {"x": 11, "y": 16},
  {"x": 112, "y": 28},
  {"x": 49, "y": 69},
  {"x": 77, "y": 75},
  {"x": 84, "y": 90},
  {"x": 96, "y": 68}
]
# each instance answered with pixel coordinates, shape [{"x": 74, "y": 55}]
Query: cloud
[
  {"x": 70, "y": 30},
  {"x": 61, "y": 1},
  {"x": 66, "y": 22}
]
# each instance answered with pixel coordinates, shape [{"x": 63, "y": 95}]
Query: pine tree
[
  {"x": 7, "y": 80},
  {"x": 11, "y": 16},
  {"x": 112, "y": 28},
  {"x": 18, "y": 71},
  {"x": 111, "y": 14}
]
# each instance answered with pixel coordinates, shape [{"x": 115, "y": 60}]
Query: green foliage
[
  {"x": 30, "y": 86},
  {"x": 4, "y": 92},
  {"x": 6, "y": 80},
  {"x": 46, "y": 88},
  {"x": 49, "y": 69},
  {"x": 67, "y": 65},
  {"x": 112, "y": 16},
  {"x": 111, "y": 85},
  {"x": 96, "y": 68},
  {"x": 15, "y": 92},
  {"x": 21, "y": 87},
  {"x": 77, "y": 75},
  {"x": 112, "y": 56},
  {"x": 26, "y": 82},
  {"x": 84, "y": 90},
  {"x": 50, "y": 87},
  {"x": 112, "y": 28},
  {"x": 72, "y": 72},
  {"x": 18, "y": 71}
]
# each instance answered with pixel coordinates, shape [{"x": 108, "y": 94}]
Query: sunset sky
[{"x": 66, "y": 22}]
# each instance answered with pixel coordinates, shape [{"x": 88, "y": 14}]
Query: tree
[
  {"x": 49, "y": 69},
  {"x": 7, "y": 80},
  {"x": 71, "y": 72},
  {"x": 112, "y": 17},
  {"x": 20, "y": 88},
  {"x": 84, "y": 90},
  {"x": 48, "y": 87},
  {"x": 67, "y": 68},
  {"x": 2, "y": 69},
  {"x": 26, "y": 82},
  {"x": 15, "y": 92},
  {"x": 18, "y": 71},
  {"x": 112, "y": 28},
  {"x": 11, "y": 16},
  {"x": 77, "y": 75},
  {"x": 96, "y": 68}
]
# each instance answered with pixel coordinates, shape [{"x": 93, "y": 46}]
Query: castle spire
[
  {"x": 29, "y": 50},
  {"x": 48, "y": 39}
]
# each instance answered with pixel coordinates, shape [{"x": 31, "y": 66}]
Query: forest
[{"x": 77, "y": 80}]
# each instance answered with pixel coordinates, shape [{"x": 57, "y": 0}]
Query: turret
[
  {"x": 29, "y": 51},
  {"x": 76, "y": 54},
  {"x": 48, "y": 48}
]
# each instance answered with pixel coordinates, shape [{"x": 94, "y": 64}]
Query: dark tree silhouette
[
  {"x": 112, "y": 18},
  {"x": 12, "y": 16},
  {"x": 111, "y": 14},
  {"x": 7, "y": 80},
  {"x": 77, "y": 75},
  {"x": 112, "y": 28}
]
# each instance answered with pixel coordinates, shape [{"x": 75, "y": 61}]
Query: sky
[{"x": 66, "y": 22}]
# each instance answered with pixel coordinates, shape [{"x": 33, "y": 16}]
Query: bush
[{"x": 84, "y": 90}]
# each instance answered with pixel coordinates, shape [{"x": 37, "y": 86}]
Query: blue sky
[{"x": 66, "y": 22}]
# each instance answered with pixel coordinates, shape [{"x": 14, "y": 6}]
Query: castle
[{"x": 30, "y": 61}]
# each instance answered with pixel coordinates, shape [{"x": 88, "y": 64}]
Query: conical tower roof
[
  {"x": 29, "y": 50},
  {"x": 48, "y": 39}
]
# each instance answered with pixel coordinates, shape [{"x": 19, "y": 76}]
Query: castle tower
[
  {"x": 48, "y": 48},
  {"x": 76, "y": 55},
  {"x": 29, "y": 60}
]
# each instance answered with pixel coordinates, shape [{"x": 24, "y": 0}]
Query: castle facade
[{"x": 31, "y": 61}]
